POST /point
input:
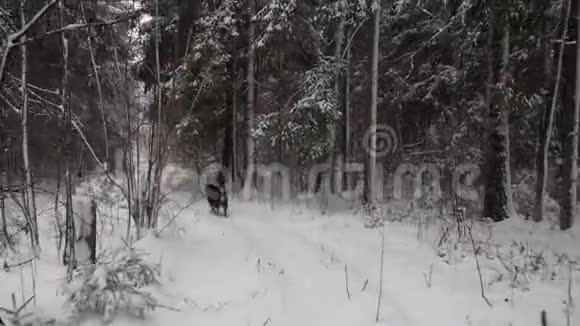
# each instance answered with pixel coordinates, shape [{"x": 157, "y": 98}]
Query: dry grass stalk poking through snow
[{"x": 19, "y": 316}]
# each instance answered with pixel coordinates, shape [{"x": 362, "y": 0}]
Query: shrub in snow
[
  {"x": 524, "y": 195},
  {"x": 524, "y": 199},
  {"x": 454, "y": 241},
  {"x": 15, "y": 229},
  {"x": 373, "y": 216},
  {"x": 102, "y": 189},
  {"x": 522, "y": 263},
  {"x": 398, "y": 211},
  {"x": 108, "y": 289},
  {"x": 28, "y": 316}
]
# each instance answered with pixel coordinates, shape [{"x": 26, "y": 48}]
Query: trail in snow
[
  {"x": 285, "y": 266},
  {"x": 288, "y": 269},
  {"x": 319, "y": 276},
  {"x": 255, "y": 271}
]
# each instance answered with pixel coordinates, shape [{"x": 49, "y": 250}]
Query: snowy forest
[{"x": 289, "y": 162}]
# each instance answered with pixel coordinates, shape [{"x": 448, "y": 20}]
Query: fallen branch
[
  {"x": 16, "y": 311},
  {"x": 8, "y": 266},
  {"x": 365, "y": 285},
  {"x": 157, "y": 305},
  {"x": 428, "y": 277},
  {"x": 24, "y": 305},
  {"x": 475, "y": 252},
  {"x": 346, "y": 279},
  {"x": 444, "y": 235}
]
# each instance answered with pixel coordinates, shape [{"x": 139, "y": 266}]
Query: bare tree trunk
[
  {"x": 566, "y": 126},
  {"x": 128, "y": 162},
  {"x": 138, "y": 215},
  {"x": 250, "y": 145},
  {"x": 234, "y": 126},
  {"x": 3, "y": 184},
  {"x": 374, "y": 94},
  {"x": 4, "y": 220},
  {"x": 151, "y": 196},
  {"x": 570, "y": 181},
  {"x": 155, "y": 195},
  {"x": 498, "y": 202},
  {"x": 229, "y": 138},
  {"x": 30, "y": 202},
  {"x": 338, "y": 40},
  {"x": 101, "y": 100},
  {"x": 69, "y": 252},
  {"x": 57, "y": 207},
  {"x": 129, "y": 166},
  {"x": 92, "y": 237},
  {"x": 227, "y": 146},
  {"x": 347, "y": 116},
  {"x": 546, "y": 125}
]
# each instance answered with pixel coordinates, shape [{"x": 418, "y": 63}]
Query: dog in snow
[{"x": 217, "y": 196}]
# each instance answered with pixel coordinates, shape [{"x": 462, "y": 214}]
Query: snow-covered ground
[{"x": 288, "y": 265}]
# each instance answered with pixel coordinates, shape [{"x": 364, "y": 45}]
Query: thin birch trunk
[
  {"x": 4, "y": 221},
  {"x": 128, "y": 162},
  {"x": 374, "y": 94},
  {"x": 3, "y": 184},
  {"x": 30, "y": 202},
  {"x": 69, "y": 255},
  {"x": 101, "y": 101},
  {"x": 154, "y": 204},
  {"x": 250, "y": 145},
  {"x": 338, "y": 40},
  {"x": 347, "y": 116},
  {"x": 542, "y": 157},
  {"x": 57, "y": 208},
  {"x": 234, "y": 126}
]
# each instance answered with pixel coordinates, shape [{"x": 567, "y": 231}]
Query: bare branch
[
  {"x": 10, "y": 105},
  {"x": 72, "y": 27},
  {"x": 31, "y": 22},
  {"x": 15, "y": 36},
  {"x": 99, "y": 90},
  {"x": 38, "y": 88}
]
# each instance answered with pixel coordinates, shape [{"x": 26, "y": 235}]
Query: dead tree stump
[{"x": 85, "y": 228}]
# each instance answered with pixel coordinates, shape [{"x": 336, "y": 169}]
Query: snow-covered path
[
  {"x": 287, "y": 267},
  {"x": 249, "y": 269}
]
